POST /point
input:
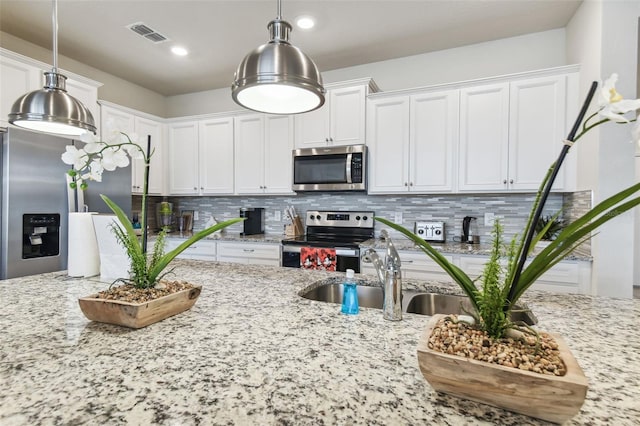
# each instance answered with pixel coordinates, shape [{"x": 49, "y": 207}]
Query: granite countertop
[
  {"x": 251, "y": 351},
  {"x": 232, "y": 236}
]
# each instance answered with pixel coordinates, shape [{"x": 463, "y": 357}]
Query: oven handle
[{"x": 340, "y": 251}]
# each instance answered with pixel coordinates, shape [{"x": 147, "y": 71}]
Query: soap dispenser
[{"x": 350, "y": 294}]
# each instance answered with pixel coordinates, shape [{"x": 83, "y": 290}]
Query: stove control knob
[
  {"x": 364, "y": 218},
  {"x": 357, "y": 217}
]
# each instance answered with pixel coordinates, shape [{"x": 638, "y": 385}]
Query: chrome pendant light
[
  {"x": 277, "y": 77},
  {"x": 51, "y": 109}
]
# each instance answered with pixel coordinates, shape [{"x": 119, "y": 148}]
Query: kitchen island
[{"x": 252, "y": 351}]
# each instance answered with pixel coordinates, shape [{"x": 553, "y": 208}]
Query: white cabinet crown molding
[
  {"x": 565, "y": 69},
  {"x": 132, "y": 111},
  {"x": 47, "y": 66}
]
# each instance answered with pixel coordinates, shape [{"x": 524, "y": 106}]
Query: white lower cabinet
[
  {"x": 201, "y": 250},
  {"x": 415, "y": 265},
  {"x": 568, "y": 276},
  {"x": 249, "y": 253}
]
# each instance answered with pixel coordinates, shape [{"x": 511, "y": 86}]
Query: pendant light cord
[
  {"x": 55, "y": 35},
  {"x": 279, "y": 15}
]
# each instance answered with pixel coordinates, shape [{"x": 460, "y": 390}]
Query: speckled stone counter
[
  {"x": 232, "y": 236},
  {"x": 253, "y": 352}
]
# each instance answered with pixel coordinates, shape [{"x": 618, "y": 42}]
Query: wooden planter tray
[
  {"x": 138, "y": 315},
  {"x": 552, "y": 398}
]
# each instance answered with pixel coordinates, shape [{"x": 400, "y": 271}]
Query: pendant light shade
[
  {"x": 277, "y": 77},
  {"x": 51, "y": 109}
]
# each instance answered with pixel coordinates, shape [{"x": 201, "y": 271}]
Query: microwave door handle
[{"x": 348, "y": 167}]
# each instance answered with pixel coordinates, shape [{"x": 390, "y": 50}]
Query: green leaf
[
  {"x": 124, "y": 221},
  {"x": 168, "y": 257},
  {"x": 454, "y": 272}
]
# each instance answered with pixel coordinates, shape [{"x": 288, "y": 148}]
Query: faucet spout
[{"x": 390, "y": 278}]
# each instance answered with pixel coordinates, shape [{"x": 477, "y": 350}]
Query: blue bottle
[{"x": 350, "y": 295}]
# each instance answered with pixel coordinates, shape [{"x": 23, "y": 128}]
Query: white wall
[
  {"x": 511, "y": 55},
  {"x": 114, "y": 89},
  {"x": 617, "y": 22}
]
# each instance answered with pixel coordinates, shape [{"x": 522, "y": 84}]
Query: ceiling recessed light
[
  {"x": 179, "y": 51},
  {"x": 305, "y": 22}
]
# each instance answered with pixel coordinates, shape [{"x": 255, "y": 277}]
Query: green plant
[
  {"x": 88, "y": 164},
  {"x": 503, "y": 286},
  {"x": 548, "y": 227}
]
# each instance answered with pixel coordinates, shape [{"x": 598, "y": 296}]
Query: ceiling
[{"x": 219, "y": 33}]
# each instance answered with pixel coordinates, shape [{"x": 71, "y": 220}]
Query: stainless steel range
[{"x": 331, "y": 242}]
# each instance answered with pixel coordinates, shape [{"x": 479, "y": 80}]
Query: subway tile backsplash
[{"x": 511, "y": 209}]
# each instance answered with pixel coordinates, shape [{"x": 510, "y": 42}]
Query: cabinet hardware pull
[
  {"x": 195, "y": 189},
  {"x": 511, "y": 181},
  {"x": 504, "y": 181},
  {"x": 405, "y": 184},
  {"x": 202, "y": 188},
  {"x": 410, "y": 183},
  {"x": 249, "y": 250}
]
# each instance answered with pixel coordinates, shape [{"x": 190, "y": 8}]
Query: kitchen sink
[{"x": 413, "y": 302}]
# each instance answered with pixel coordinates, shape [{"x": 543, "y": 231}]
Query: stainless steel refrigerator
[{"x": 34, "y": 201}]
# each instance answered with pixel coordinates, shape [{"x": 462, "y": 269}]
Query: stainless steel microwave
[{"x": 336, "y": 168}]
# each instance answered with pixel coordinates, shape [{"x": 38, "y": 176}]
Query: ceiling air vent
[{"x": 146, "y": 32}]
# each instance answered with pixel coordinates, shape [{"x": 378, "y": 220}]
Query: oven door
[{"x": 346, "y": 258}]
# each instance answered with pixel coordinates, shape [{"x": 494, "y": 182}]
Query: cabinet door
[
  {"x": 112, "y": 120},
  {"x": 312, "y": 128},
  {"x": 216, "y": 156},
  {"x": 16, "y": 79},
  {"x": 88, "y": 95},
  {"x": 484, "y": 137},
  {"x": 388, "y": 130},
  {"x": 536, "y": 127},
  {"x": 433, "y": 137},
  {"x": 249, "y": 154},
  {"x": 347, "y": 116},
  {"x": 183, "y": 155},
  {"x": 145, "y": 128},
  {"x": 278, "y": 142}
]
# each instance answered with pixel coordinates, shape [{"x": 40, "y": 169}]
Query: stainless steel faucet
[{"x": 390, "y": 278}]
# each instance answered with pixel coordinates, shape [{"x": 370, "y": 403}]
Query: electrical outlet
[
  {"x": 398, "y": 218},
  {"x": 489, "y": 219},
  {"x": 276, "y": 216},
  {"x": 195, "y": 215}
]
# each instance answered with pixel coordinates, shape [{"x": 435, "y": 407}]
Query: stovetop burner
[{"x": 332, "y": 228}]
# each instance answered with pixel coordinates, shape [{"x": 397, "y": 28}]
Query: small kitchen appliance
[
  {"x": 342, "y": 231},
  {"x": 470, "y": 234},
  {"x": 254, "y": 222},
  {"x": 430, "y": 231}
]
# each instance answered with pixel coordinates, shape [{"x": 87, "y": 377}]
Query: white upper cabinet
[
  {"x": 16, "y": 79},
  {"x": 263, "y": 145},
  {"x": 484, "y": 137},
  {"x": 132, "y": 122},
  {"x": 183, "y": 158},
  {"x": 388, "y": 144},
  {"x": 340, "y": 121},
  {"x": 216, "y": 156},
  {"x": 537, "y": 123},
  {"x": 88, "y": 95},
  {"x": 511, "y": 133},
  {"x": 412, "y": 142},
  {"x": 201, "y": 157}
]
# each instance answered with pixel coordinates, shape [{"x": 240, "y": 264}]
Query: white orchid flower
[
  {"x": 612, "y": 104},
  {"x": 93, "y": 147},
  {"x": 74, "y": 156},
  {"x": 134, "y": 152},
  {"x": 88, "y": 137},
  {"x": 113, "y": 158},
  {"x": 94, "y": 172}
]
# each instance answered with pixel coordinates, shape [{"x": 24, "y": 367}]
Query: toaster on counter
[{"x": 430, "y": 231}]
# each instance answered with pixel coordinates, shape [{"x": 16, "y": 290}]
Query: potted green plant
[
  {"x": 492, "y": 379},
  {"x": 142, "y": 298}
]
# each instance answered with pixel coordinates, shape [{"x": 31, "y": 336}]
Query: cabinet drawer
[
  {"x": 418, "y": 265},
  {"x": 201, "y": 250},
  {"x": 227, "y": 250}
]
